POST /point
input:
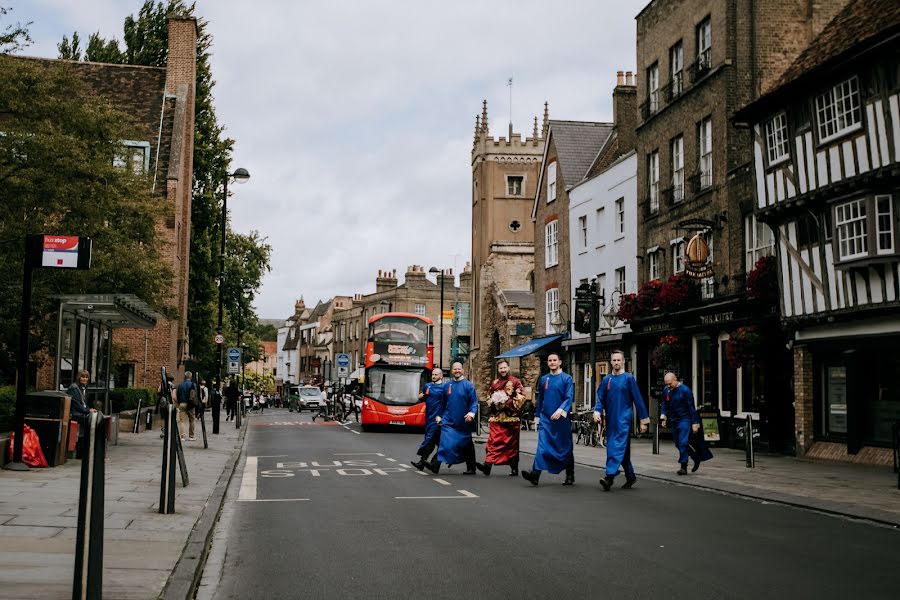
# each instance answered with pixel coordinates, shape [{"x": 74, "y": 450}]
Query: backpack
[{"x": 193, "y": 402}]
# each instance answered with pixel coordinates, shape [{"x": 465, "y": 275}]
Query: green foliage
[
  {"x": 13, "y": 37},
  {"x": 7, "y": 407},
  {"x": 127, "y": 398},
  {"x": 259, "y": 382},
  {"x": 266, "y": 333},
  {"x": 57, "y": 176}
]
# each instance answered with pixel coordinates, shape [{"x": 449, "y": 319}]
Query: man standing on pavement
[
  {"x": 215, "y": 403},
  {"x": 617, "y": 393},
  {"x": 188, "y": 400},
  {"x": 435, "y": 395},
  {"x": 556, "y": 391},
  {"x": 678, "y": 401},
  {"x": 231, "y": 399},
  {"x": 456, "y": 444},
  {"x": 504, "y": 423}
]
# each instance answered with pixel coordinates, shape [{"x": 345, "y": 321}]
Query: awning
[
  {"x": 530, "y": 347},
  {"x": 112, "y": 310}
]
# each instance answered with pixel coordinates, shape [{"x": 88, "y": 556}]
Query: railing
[
  {"x": 674, "y": 88},
  {"x": 700, "y": 181},
  {"x": 673, "y": 195},
  {"x": 649, "y": 211},
  {"x": 700, "y": 67}
]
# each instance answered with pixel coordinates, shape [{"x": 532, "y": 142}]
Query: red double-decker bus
[{"x": 399, "y": 360}]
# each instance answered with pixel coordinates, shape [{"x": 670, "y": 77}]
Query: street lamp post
[
  {"x": 440, "y": 274},
  {"x": 239, "y": 176},
  {"x": 597, "y": 296}
]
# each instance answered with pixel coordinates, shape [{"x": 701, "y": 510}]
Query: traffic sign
[
  {"x": 234, "y": 367},
  {"x": 234, "y": 354},
  {"x": 219, "y": 339},
  {"x": 342, "y": 360},
  {"x": 343, "y": 371}
]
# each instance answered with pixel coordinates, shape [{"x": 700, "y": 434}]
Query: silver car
[{"x": 311, "y": 397}]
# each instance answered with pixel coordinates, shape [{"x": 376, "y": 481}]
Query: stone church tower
[{"x": 505, "y": 172}]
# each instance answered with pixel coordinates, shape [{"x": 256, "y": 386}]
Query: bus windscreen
[{"x": 395, "y": 386}]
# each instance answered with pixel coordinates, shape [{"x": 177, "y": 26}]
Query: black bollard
[
  {"x": 748, "y": 442},
  {"x": 202, "y": 418},
  {"x": 88, "y": 581},
  {"x": 216, "y": 403},
  {"x": 170, "y": 442}
]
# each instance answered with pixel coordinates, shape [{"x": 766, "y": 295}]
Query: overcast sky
[{"x": 355, "y": 118}]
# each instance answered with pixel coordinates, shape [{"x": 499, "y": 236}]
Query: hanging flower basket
[
  {"x": 676, "y": 293},
  {"x": 667, "y": 352},
  {"x": 629, "y": 308},
  {"x": 744, "y": 345},
  {"x": 641, "y": 304},
  {"x": 762, "y": 281}
]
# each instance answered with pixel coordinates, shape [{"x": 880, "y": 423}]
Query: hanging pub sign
[
  {"x": 696, "y": 258},
  {"x": 59, "y": 251}
]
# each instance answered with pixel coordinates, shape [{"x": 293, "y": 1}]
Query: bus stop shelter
[{"x": 84, "y": 336}]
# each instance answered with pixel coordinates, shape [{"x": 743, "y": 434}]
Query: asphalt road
[{"x": 330, "y": 512}]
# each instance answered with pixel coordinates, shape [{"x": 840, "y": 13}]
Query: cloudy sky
[{"x": 355, "y": 117}]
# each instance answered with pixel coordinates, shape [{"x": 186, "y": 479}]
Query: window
[
  {"x": 653, "y": 87},
  {"x": 807, "y": 231},
  {"x": 884, "y": 224},
  {"x": 653, "y": 180},
  {"x": 420, "y": 309},
  {"x": 678, "y": 256},
  {"x": 551, "y": 244},
  {"x": 514, "y": 185},
  {"x": 552, "y": 308},
  {"x": 551, "y": 182},
  {"x": 837, "y": 110},
  {"x": 676, "y": 68},
  {"x": 620, "y": 216},
  {"x": 850, "y": 221},
  {"x": 601, "y": 284},
  {"x": 653, "y": 264},
  {"x": 582, "y": 228},
  {"x": 777, "y": 139},
  {"x": 463, "y": 314},
  {"x": 758, "y": 239},
  {"x": 704, "y": 41},
  {"x": 705, "y": 135},
  {"x": 599, "y": 225},
  {"x": 678, "y": 169},
  {"x": 134, "y": 156},
  {"x": 620, "y": 280}
]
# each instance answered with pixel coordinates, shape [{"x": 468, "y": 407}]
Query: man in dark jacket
[{"x": 188, "y": 400}]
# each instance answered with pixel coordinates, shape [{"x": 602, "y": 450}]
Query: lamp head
[
  {"x": 240, "y": 175},
  {"x": 434, "y": 270}
]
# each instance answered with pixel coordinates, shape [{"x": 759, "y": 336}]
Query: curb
[
  {"x": 748, "y": 496},
  {"x": 185, "y": 578}
]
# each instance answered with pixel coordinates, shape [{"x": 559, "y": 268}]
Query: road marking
[
  {"x": 276, "y": 500},
  {"x": 359, "y": 454},
  {"x": 406, "y": 466},
  {"x": 465, "y": 494},
  {"x": 441, "y": 481},
  {"x": 421, "y": 473},
  {"x": 354, "y": 431},
  {"x": 391, "y": 459},
  {"x": 248, "y": 481},
  {"x": 273, "y": 456}
]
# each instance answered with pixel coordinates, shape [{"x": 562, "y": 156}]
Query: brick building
[
  {"x": 826, "y": 150},
  {"x": 698, "y": 61},
  {"x": 160, "y": 103}
]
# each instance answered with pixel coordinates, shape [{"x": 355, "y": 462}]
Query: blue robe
[
  {"x": 435, "y": 405},
  {"x": 616, "y": 395},
  {"x": 554, "y": 447},
  {"x": 456, "y": 433},
  {"x": 678, "y": 407}
]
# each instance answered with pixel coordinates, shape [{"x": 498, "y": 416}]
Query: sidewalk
[
  {"x": 852, "y": 490},
  {"x": 141, "y": 548}
]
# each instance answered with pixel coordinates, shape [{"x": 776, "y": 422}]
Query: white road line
[
  {"x": 406, "y": 466},
  {"x": 359, "y": 454},
  {"x": 248, "y": 481},
  {"x": 354, "y": 431},
  {"x": 275, "y": 500},
  {"x": 465, "y": 495},
  {"x": 273, "y": 456},
  {"x": 421, "y": 473},
  {"x": 441, "y": 481},
  {"x": 391, "y": 459}
]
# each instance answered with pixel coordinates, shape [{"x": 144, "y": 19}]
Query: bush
[
  {"x": 7, "y": 407},
  {"x": 127, "y": 398}
]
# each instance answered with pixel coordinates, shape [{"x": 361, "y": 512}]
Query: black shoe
[
  {"x": 469, "y": 472},
  {"x": 419, "y": 465},
  {"x": 606, "y": 483},
  {"x": 533, "y": 479},
  {"x": 570, "y": 480},
  {"x": 514, "y": 472},
  {"x": 683, "y": 469},
  {"x": 484, "y": 468},
  {"x": 696, "y": 466},
  {"x": 433, "y": 466},
  {"x": 629, "y": 483}
]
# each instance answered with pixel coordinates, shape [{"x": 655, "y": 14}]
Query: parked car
[{"x": 310, "y": 397}]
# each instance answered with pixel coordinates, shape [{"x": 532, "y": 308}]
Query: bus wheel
[{"x": 366, "y": 428}]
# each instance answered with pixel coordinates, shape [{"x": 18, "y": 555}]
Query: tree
[
  {"x": 57, "y": 176},
  {"x": 13, "y": 37},
  {"x": 146, "y": 43}
]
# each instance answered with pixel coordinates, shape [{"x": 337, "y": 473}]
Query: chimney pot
[
  {"x": 629, "y": 78},
  {"x": 620, "y": 79}
]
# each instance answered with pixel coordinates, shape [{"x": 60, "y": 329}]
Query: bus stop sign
[{"x": 342, "y": 360}]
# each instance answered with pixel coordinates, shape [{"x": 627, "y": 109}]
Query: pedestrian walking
[
  {"x": 556, "y": 392},
  {"x": 435, "y": 395},
  {"x": 188, "y": 400},
  {"x": 456, "y": 444},
  {"x": 616, "y": 395},
  {"x": 231, "y": 400},
  {"x": 678, "y": 403},
  {"x": 215, "y": 403},
  {"x": 507, "y": 395},
  {"x": 166, "y": 402}
]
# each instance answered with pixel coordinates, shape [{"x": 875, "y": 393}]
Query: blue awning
[{"x": 530, "y": 347}]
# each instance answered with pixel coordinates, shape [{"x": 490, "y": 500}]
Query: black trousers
[
  {"x": 432, "y": 443},
  {"x": 216, "y": 411}
]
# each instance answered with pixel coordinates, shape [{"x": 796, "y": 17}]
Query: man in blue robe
[
  {"x": 456, "y": 444},
  {"x": 435, "y": 395},
  {"x": 678, "y": 403},
  {"x": 616, "y": 395},
  {"x": 556, "y": 391}
]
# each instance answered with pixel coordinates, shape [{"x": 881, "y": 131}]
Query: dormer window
[{"x": 838, "y": 110}]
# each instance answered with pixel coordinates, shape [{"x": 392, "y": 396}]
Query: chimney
[
  {"x": 181, "y": 60},
  {"x": 625, "y": 111},
  {"x": 620, "y": 77},
  {"x": 386, "y": 280}
]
